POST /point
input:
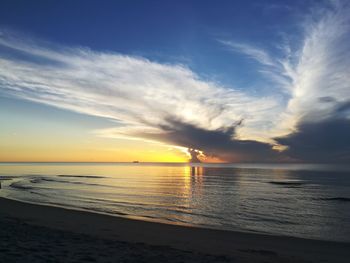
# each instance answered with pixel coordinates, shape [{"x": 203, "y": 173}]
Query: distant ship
[{"x": 135, "y": 161}]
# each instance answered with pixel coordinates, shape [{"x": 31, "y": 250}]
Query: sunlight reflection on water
[{"x": 298, "y": 200}]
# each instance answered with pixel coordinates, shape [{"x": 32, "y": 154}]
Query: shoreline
[{"x": 247, "y": 247}]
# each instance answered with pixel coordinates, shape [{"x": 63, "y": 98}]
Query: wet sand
[{"x": 37, "y": 233}]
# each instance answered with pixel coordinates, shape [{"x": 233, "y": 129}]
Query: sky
[{"x": 173, "y": 81}]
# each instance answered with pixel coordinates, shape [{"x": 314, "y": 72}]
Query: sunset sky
[{"x": 235, "y": 81}]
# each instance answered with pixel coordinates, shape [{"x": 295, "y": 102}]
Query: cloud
[
  {"x": 139, "y": 94},
  {"x": 327, "y": 141},
  {"x": 323, "y": 68},
  {"x": 219, "y": 143},
  {"x": 272, "y": 67},
  {"x": 255, "y": 53},
  {"x": 315, "y": 77},
  {"x": 319, "y": 105}
]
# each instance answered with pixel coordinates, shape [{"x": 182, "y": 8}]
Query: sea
[{"x": 300, "y": 200}]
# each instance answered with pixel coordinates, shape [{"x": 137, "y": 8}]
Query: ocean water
[{"x": 309, "y": 201}]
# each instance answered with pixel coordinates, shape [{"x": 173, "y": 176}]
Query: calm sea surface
[{"x": 310, "y": 201}]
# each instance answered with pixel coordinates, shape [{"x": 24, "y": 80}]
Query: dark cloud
[
  {"x": 343, "y": 109},
  {"x": 327, "y": 141},
  {"x": 194, "y": 156},
  {"x": 217, "y": 143}
]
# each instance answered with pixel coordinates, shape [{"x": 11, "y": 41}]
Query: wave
[
  {"x": 18, "y": 185},
  {"x": 117, "y": 202},
  {"x": 341, "y": 199},
  {"x": 81, "y": 176},
  {"x": 87, "y": 208},
  {"x": 286, "y": 183},
  {"x": 41, "y": 194},
  {"x": 35, "y": 180},
  {"x": 39, "y": 180},
  {"x": 5, "y": 179},
  {"x": 149, "y": 207}
]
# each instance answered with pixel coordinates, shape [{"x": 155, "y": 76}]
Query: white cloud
[
  {"x": 314, "y": 77},
  {"x": 323, "y": 67},
  {"x": 255, "y": 53},
  {"x": 271, "y": 67},
  {"x": 139, "y": 93}
]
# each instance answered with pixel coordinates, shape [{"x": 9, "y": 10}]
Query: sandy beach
[{"x": 37, "y": 233}]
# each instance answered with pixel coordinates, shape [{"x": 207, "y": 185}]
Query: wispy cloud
[
  {"x": 320, "y": 89},
  {"x": 315, "y": 79},
  {"x": 272, "y": 67},
  {"x": 140, "y": 94},
  {"x": 255, "y": 53},
  {"x": 318, "y": 69},
  {"x": 323, "y": 67}
]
